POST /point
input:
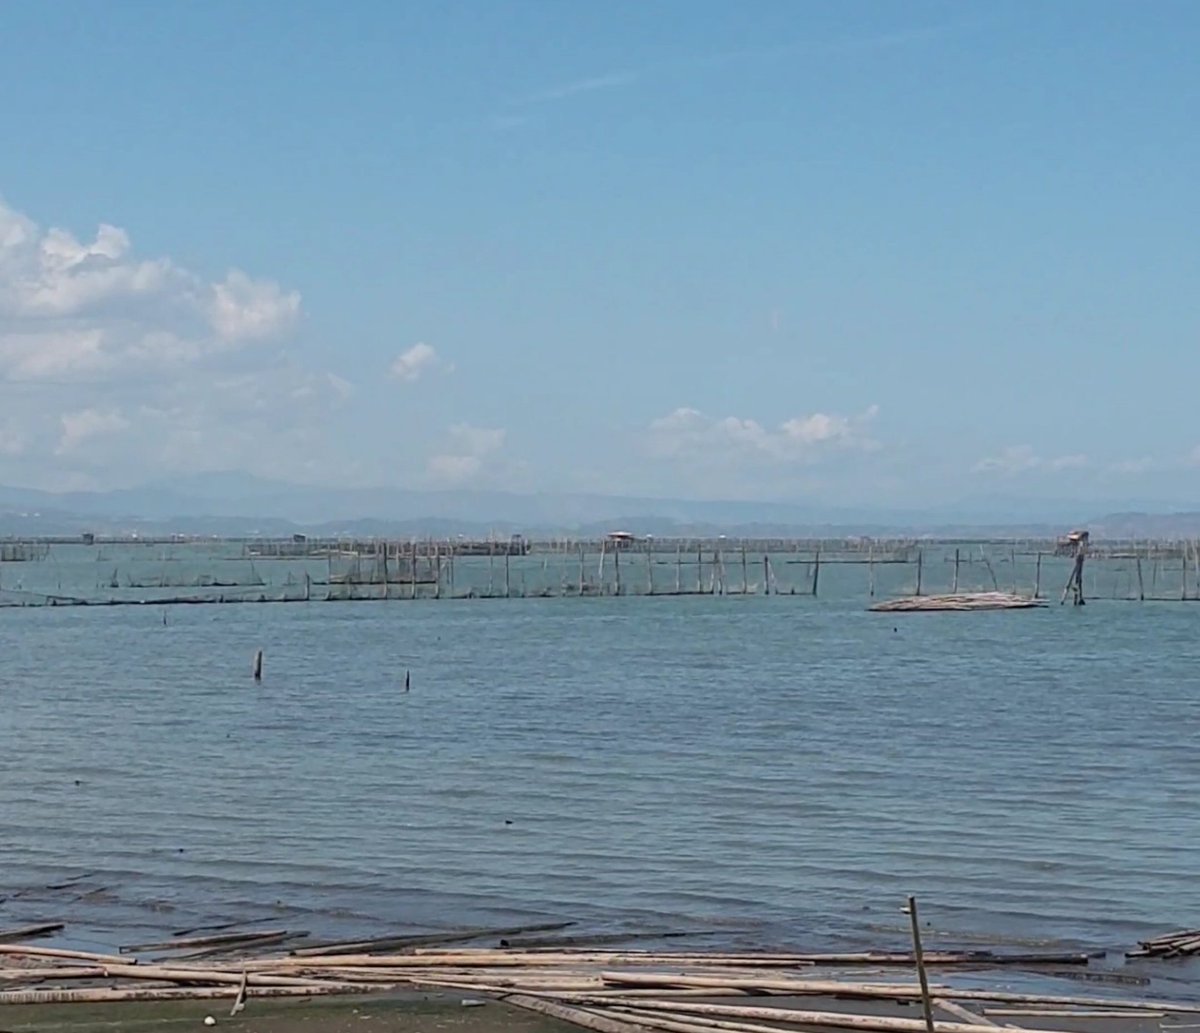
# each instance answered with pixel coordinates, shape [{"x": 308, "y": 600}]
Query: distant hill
[{"x": 242, "y": 505}]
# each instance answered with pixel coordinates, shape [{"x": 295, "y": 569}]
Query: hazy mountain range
[{"x": 240, "y": 504}]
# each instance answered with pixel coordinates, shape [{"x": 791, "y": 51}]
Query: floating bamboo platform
[{"x": 959, "y": 601}]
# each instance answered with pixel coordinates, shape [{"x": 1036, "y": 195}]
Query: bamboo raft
[
  {"x": 959, "y": 601},
  {"x": 607, "y": 990}
]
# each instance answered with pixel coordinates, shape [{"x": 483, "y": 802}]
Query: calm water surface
[{"x": 787, "y": 768}]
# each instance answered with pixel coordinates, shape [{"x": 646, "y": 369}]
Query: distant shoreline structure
[{"x": 96, "y": 571}]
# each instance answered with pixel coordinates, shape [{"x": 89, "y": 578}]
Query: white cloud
[
  {"x": 1019, "y": 459},
  {"x": 116, "y": 368},
  {"x": 688, "y": 434},
  {"x": 250, "y": 310},
  {"x": 411, "y": 365},
  {"x": 464, "y": 459},
  {"x": 86, "y": 424},
  {"x": 72, "y": 308}
]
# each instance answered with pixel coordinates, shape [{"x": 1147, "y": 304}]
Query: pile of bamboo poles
[
  {"x": 610, "y": 991},
  {"x": 1181, "y": 944}
]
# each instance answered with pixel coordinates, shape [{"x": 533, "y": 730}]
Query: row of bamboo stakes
[{"x": 619, "y": 990}]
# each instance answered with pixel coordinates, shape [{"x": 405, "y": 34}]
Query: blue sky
[{"x": 855, "y": 253}]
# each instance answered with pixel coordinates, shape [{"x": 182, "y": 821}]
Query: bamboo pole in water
[
  {"x": 796, "y": 1016},
  {"x": 816, "y": 574},
  {"x": 1037, "y": 578},
  {"x": 766, "y": 574},
  {"x": 920, "y": 565},
  {"x": 98, "y": 995},
  {"x": 58, "y": 952},
  {"x": 919, "y": 958}
]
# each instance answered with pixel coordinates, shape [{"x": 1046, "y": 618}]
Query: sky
[{"x": 851, "y": 253}]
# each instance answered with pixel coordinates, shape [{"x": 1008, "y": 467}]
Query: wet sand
[{"x": 411, "y": 1013}]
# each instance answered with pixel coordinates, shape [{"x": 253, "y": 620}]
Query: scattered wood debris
[{"x": 1180, "y": 944}]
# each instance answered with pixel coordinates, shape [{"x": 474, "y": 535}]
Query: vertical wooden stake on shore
[
  {"x": 258, "y": 664},
  {"x": 955, "y": 588},
  {"x": 1037, "y": 578},
  {"x": 919, "y": 958},
  {"x": 816, "y": 572},
  {"x": 920, "y": 565},
  {"x": 1141, "y": 585}
]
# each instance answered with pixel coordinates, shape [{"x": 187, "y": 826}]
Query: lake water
[{"x": 784, "y": 769}]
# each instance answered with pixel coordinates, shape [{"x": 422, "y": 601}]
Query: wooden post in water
[
  {"x": 258, "y": 665},
  {"x": 450, "y": 570},
  {"x": 582, "y": 560},
  {"x": 600, "y": 569},
  {"x": 1183, "y": 572},
  {"x": 745, "y": 579},
  {"x": 1013, "y": 559},
  {"x": 919, "y": 958},
  {"x": 507, "y": 572},
  {"x": 437, "y": 570},
  {"x": 412, "y": 571},
  {"x": 699, "y": 570},
  {"x": 617, "y": 567},
  {"x": 816, "y": 572},
  {"x": 1075, "y": 581},
  {"x": 385, "y": 569},
  {"x": 871, "y": 569},
  {"x": 920, "y": 566},
  {"x": 766, "y": 574},
  {"x": 649, "y": 567},
  {"x": 678, "y": 569},
  {"x": 1141, "y": 586},
  {"x": 955, "y": 588},
  {"x": 1037, "y": 578}
]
